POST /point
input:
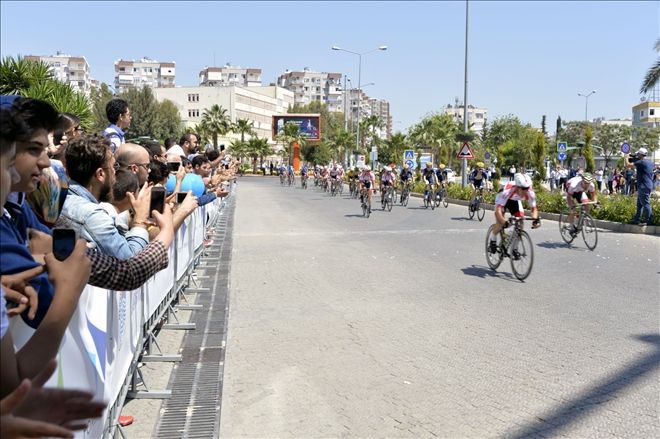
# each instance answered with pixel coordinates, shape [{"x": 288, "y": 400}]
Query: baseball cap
[{"x": 642, "y": 151}]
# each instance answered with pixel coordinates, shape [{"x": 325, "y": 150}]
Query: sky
[{"x": 527, "y": 58}]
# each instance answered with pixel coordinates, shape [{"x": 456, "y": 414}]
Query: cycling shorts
[
  {"x": 582, "y": 196},
  {"x": 514, "y": 207},
  {"x": 386, "y": 183},
  {"x": 367, "y": 184},
  {"x": 477, "y": 183}
]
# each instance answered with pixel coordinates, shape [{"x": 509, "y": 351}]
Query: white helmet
[
  {"x": 387, "y": 168},
  {"x": 367, "y": 168},
  {"x": 522, "y": 180}
]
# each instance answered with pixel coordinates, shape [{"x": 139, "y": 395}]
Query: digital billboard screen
[{"x": 309, "y": 125}]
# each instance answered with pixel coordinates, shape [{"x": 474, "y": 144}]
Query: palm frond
[{"x": 652, "y": 78}]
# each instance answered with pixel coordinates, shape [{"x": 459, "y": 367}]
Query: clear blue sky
[{"x": 526, "y": 58}]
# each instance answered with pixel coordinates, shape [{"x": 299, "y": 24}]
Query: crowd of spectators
[{"x": 98, "y": 188}]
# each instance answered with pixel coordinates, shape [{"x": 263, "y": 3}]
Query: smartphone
[
  {"x": 64, "y": 241},
  {"x": 180, "y": 196},
  {"x": 157, "y": 199},
  {"x": 173, "y": 166},
  {"x": 222, "y": 147}
]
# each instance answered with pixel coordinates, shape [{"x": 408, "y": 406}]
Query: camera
[{"x": 632, "y": 159}]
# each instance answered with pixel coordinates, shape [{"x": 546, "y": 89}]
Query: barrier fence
[{"x": 111, "y": 331}]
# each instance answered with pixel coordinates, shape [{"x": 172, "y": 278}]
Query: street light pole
[
  {"x": 586, "y": 103},
  {"x": 465, "y": 87},
  {"x": 357, "y": 140}
]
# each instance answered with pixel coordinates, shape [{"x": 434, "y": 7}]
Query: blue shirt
[
  {"x": 116, "y": 136},
  {"x": 644, "y": 174}
]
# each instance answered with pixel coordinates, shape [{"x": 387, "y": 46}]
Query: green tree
[
  {"x": 539, "y": 158},
  {"x": 290, "y": 136},
  {"x": 244, "y": 127},
  {"x": 216, "y": 122},
  {"x": 543, "y": 130},
  {"x": 610, "y": 138},
  {"x": 437, "y": 133},
  {"x": 653, "y": 74},
  {"x": 343, "y": 141},
  {"x": 168, "y": 122},
  {"x": 558, "y": 129},
  {"x": 318, "y": 152},
  {"x": 393, "y": 148},
  {"x": 587, "y": 151},
  {"x": 257, "y": 148},
  {"x": 144, "y": 109},
  {"x": 17, "y": 75},
  {"x": 99, "y": 96}
]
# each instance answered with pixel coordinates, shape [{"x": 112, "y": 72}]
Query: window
[
  {"x": 479, "y": 115},
  {"x": 306, "y": 79},
  {"x": 641, "y": 113},
  {"x": 193, "y": 112},
  {"x": 193, "y": 98},
  {"x": 652, "y": 112},
  {"x": 135, "y": 69},
  {"x": 122, "y": 69}
]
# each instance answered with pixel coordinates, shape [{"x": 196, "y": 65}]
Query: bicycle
[
  {"x": 291, "y": 180},
  {"x": 353, "y": 188},
  {"x": 441, "y": 196},
  {"x": 282, "y": 179},
  {"x": 303, "y": 181},
  {"x": 428, "y": 197},
  {"x": 365, "y": 202},
  {"x": 405, "y": 194},
  {"x": 477, "y": 206},
  {"x": 334, "y": 187},
  {"x": 583, "y": 222},
  {"x": 516, "y": 246},
  {"x": 388, "y": 198}
]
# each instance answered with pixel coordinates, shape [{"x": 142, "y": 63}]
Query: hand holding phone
[
  {"x": 157, "y": 199},
  {"x": 180, "y": 196},
  {"x": 64, "y": 241},
  {"x": 173, "y": 167}
]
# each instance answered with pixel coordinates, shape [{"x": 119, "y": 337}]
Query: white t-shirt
[{"x": 176, "y": 149}]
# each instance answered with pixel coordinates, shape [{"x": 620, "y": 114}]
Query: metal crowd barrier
[{"x": 111, "y": 331}]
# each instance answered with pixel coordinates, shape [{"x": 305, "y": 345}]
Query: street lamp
[
  {"x": 357, "y": 140},
  {"x": 586, "y": 103}
]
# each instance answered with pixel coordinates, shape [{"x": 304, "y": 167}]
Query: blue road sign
[
  {"x": 561, "y": 156},
  {"x": 411, "y": 164},
  {"x": 625, "y": 148},
  {"x": 487, "y": 156},
  {"x": 562, "y": 146},
  {"x": 409, "y": 154}
]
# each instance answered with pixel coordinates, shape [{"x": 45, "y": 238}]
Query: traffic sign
[
  {"x": 409, "y": 154},
  {"x": 487, "y": 155},
  {"x": 465, "y": 152},
  {"x": 374, "y": 149},
  {"x": 424, "y": 159},
  {"x": 625, "y": 148},
  {"x": 562, "y": 156},
  {"x": 411, "y": 164},
  {"x": 562, "y": 146}
]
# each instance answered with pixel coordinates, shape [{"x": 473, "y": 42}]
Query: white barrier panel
[{"x": 107, "y": 328}]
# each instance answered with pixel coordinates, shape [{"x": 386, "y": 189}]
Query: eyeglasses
[{"x": 145, "y": 165}]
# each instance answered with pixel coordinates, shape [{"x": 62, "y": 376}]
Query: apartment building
[
  {"x": 230, "y": 75},
  {"x": 368, "y": 107},
  {"x": 72, "y": 70},
  {"x": 256, "y": 104},
  {"x": 308, "y": 86},
  {"x": 476, "y": 115},
  {"x": 146, "y": 71},
  {"x": 646, "y": 113}
]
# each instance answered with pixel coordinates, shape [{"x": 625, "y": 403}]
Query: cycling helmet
[
  {"x": 429, "y": 165},
  {"x": 522, "y": 180},
  {"x": 387, "y": 169},
  {"x": 367, "y": 168},
  {"x": 442, "y": 166},
  {"x": 405, "y": 166},
  {"x": 480, "y": 165},
  {"x": 587, "y": 177}
]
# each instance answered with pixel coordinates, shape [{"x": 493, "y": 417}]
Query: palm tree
[
  {"x": 290, "y": 136},
  {"x": 244, "y": 126},
  {"x": 257, "y": 148},
  {"x": 343, "y": 140},
  {"x": 217, "y": 122},
  {"x": 394, "y": 148},
  {"x": 653, "y": 74},
  {"x": 18, "y": 75}
]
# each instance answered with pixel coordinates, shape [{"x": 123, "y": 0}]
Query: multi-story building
[
  {"x": 476, "y": 115},
  {"x": 145, "y": 72},
  {"x": 369, "y": 107},
  {"x": 619, "y": 122},
  {"x": 72, "y": 70},
  {"x": 646, "y": 113},
  {"x": 309, "y": 86},
  {"x": 256, "y": 104},
  {"x": 230, "y": 75}
]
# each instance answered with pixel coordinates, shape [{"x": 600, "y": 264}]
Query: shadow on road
[
  {"x": 553, "y": 244},
  {"x": 486, "y": 272},
  {"x": 593, "y": 398},
  {"x": 355, "y": 215},
  {"x": 462, "y": 218}
]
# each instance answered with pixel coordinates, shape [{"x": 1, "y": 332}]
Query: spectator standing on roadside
[
  {"x": 512, "y": 172},
  {"x": 629, "y": 173},
  {"x": 644, "y": 169},
  {"x": 135, "y": 158},
  {"x": 119, "y": 116},
  {"x": 599, "y": 179}
]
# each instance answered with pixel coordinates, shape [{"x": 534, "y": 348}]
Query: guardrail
[{"x": 111, "y": 331}]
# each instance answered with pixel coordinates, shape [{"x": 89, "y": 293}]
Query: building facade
[
  {"x": 646, "y": 113},
  {"x": 308, "y": 86},
  {"x": 229, "y": 75},
  {"x": 476, "y": 115},
  {"x": 145, "y": 72},
  {"x": 368, "y": 107},
  {"x": 72, "y": 70},
  {"x": 256, "y": 104}
]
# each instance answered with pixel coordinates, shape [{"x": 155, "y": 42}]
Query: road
[{"x": 394, "y": 326}]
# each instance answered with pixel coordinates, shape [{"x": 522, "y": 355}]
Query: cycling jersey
[
  {"x": 477, "y": 177},
  {"x": 428, "y": 176},
  {"x": 387, "y": 177},
  {"x": 442, "y": 175},
  {"x": 366, "y": 178},
  {"x": 334, "y": 173},
  {"x": 509, "y": 193},
  {"x": 406, "y": 175},
  {"x": 576, "y": 184}
]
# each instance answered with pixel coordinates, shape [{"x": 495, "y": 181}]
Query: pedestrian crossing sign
[
  {"x": 465, "y": 152},
  {"x": 409, "y": 154}
]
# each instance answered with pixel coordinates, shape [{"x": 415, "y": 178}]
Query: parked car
[{"x": 451, "y": 175}]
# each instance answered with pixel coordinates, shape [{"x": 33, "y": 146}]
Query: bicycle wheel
[
  {"x": 521, "y": 255},
  {"x": 494, "y": 259},
  {"x": 432, "y": 200},
  {"x": 589, "y": 232},
  {"x": 470, "y": 210},
  {"x": 445, "y": 200},
  {"x": 389, "y": 201},
  {"x": 368, "y": 207},
  {"x": 426, "y": 201},
  {"x": 481, "y": 210},
  {"x": 565, "y": 228},
  {"x": 406, "y": 196}
]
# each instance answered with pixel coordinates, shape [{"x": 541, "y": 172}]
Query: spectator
[
  {"x": 201, "y": 167},
  {"x": 169, "y": 142},
  {"x": 158, "y": 173},
  {"x": 92, "y": 171},
  {"x": 119, "y": 116},
  {"x": 135, "y": 158},
  {"x": 271, "y": 168},
  {"x": 118, "y": 208},
  {"x": 629, "y": 173},
  {"x": 644, "y": 169},
  {"x": 599, "y": 179},
  {"x": 156, "y": 151},
  {"x": 187, "y": 146}
]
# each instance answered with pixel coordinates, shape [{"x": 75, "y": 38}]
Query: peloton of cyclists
[
  {"x": 580, "y": 188},
  {"x": 510, "y": 198}
]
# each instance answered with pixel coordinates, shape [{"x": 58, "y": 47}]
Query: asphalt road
[{"x": 394, "y": 326}]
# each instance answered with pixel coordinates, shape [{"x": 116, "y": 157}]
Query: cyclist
[
  {"x": 441, "y": 174},
  {"x": 335, "y": 174},
  {"x": 430, "y": 178},
  {"x": 510, "y": 198},
  {"x": 387, "y": 179},
  {"x": 324, "y": 177},
  {"x": 282, "y": 172},
  {"x": 580, "y": 188},
  {"x": 477, "y": 180},
  {"x": 367, "y": 182},
  {"x": 407, "y": 179},
  {"x": 353, "y": 175},
  {"x": 303, "y": 172}
]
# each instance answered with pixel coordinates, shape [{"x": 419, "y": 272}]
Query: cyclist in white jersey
[{"x": 580, "y": 188}]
